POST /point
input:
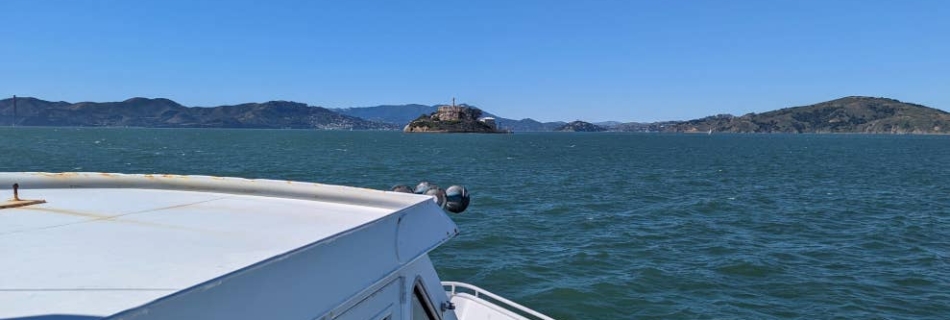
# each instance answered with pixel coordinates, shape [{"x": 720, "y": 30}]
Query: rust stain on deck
[
  {"x": 69, "y": 212},
  {"x": 111, "y": 218},
  {"x": 19, "y": 203},
  {"x": 60, "y": 174}
]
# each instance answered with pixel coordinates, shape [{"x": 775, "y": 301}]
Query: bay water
[{"x": 614, "y": 225}]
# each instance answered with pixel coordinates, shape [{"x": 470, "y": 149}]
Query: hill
[
  {"x": 164, "y": 113},
  {"x": 527, "y": 125},
  {"x": 580, "y": 126},
  {"x": 845, "y": 115},
  {"x": 641, "y": 126}
]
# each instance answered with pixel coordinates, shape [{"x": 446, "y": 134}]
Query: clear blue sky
[{"x": 549, "y": 60}]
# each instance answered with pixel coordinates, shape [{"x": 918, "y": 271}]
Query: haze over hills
[{"x": 394, "y": 114}]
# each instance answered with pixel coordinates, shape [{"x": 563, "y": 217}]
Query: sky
[{"x": 549, "y": 60}]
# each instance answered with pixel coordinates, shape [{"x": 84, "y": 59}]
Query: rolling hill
[
  {"x": 164, "y": 113},
  {"x": 845, "y": 115}
]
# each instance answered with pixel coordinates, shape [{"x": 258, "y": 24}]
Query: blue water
[{"x": 615, "y": 226}]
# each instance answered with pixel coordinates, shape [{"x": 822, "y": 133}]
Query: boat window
[{"x": 421, "y": 308}]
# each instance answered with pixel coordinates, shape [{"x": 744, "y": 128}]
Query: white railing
[{"x": 478, "y": 292}]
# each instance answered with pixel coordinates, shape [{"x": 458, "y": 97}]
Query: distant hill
[
  {"x": 164, "y": 113},
  {"x": 642, "y": 126},
  {"x": 845, "y": 115},
  {"x": 528, "y": 125},
  {"x": 580, "y": 126},
  {"x": 400, "y": 115}
]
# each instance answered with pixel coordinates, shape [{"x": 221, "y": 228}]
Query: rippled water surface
[{"x": 615, "y": 226}]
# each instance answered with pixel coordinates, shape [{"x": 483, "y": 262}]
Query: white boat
[{"x": 117, "y": 246}]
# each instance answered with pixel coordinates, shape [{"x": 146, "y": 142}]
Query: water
[{"x": 615, "y": 226}]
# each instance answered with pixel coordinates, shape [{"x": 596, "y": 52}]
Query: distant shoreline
[
  {"x": 848, "y": 115},
  {"x": 473, "y": 133}
]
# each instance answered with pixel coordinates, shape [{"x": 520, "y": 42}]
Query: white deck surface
[
  {"x": 98, "y": 251},
  {"x": 469, "y": 307}
]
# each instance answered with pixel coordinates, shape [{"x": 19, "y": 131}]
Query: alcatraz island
[{"x": 454, "y": 119}]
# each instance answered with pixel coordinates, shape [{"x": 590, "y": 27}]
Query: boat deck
[{"x": 102, "y": 243}]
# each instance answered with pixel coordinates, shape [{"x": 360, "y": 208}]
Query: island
[{"x": 453, "y": 119}]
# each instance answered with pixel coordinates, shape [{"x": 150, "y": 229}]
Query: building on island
[
  {"x": 490, "y": 122},
  {"x": 451, "y": 113}
]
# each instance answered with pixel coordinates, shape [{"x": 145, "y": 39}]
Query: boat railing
[{"x": 452, "y": 287}]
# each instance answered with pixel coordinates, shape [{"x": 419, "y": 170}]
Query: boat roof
[{"x": 104, "y": 243}]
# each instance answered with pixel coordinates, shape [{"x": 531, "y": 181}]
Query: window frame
[{"x": 419, "y": 293}]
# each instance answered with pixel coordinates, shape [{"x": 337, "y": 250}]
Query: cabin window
[{"x": 421, "y": 308}]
